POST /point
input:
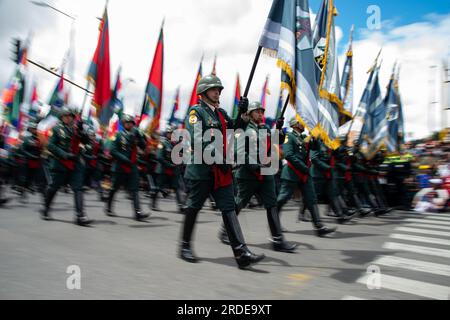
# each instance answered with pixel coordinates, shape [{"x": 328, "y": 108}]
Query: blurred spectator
[{"x": 432, "y": 199}]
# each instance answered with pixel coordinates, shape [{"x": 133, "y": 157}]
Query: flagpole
[
  {"x": 286, "y": 103},
  {"x": 252, "y": 72}
]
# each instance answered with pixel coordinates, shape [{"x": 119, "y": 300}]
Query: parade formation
[{"x": 325, "y": 154}]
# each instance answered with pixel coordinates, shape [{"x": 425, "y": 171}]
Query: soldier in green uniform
[
  {"x": 214, "y": 176},
  {"x": 66, "y": 163},
  {"x": 296, "y": 173},
  {"x": 3, "y": 168},
  {"x": 92, "y": 151},
  {"x": 31, "y": 170},
  {"x": 251, "y": 181},
  {"x": 361, "y": 178},
  {"x": 124, "y": 150},
  {"x": 345, "y": 179},
  {"x": 167, "y": 173},
  {"x": 324, "y": 174}
]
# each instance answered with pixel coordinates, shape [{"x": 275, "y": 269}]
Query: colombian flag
[
  {"x": 194, "y": 97},
  {"x": 99, "y": 72},
  {"x": 152, "y": 106}
]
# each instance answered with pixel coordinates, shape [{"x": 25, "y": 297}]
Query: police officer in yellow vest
[
  {"x": 250, "y": 178},
  {"x": 216, "y": 178},
  {"x": 297, "y": 174}
]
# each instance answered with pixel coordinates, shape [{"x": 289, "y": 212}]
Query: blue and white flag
[
  {"x": 375, "y": 123},
  {"x": 347, "y": 78},
  {"x": 331, "y": 110},
  {"x": 287, "y": 35},
  {"x": 394, "y": 116}
]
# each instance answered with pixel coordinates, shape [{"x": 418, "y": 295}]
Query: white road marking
[
  {"x": 415, "y": 265},
  {"x": 417, "y": 249}
]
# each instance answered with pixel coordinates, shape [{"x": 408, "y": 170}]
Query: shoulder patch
[
  {"x": 193, "y": 119},
  {"x": 192, "y": 112},
  {"x": 286, "y": 140}
]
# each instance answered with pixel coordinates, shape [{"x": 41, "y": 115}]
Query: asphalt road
[{"x": 119, "y": 258}]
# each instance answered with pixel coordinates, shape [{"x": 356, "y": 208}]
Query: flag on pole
[
  {"x": 331, "y": 110},
  {"x": 99, "y": 72},
  {"x": 214, "y": 71},
  {"x": 264, "y": 93},
  {"x": 287, "y": 35},
  {"x": 58, "y": 97},
  {"x": 375, "y": 125},
  {"x": 347, "y": 78},
  {"x": 194, "y": 97},
  {"x": 394, "y": 115},
  {"x": 151, "y": 108},
  {"x": 107, "y": 112},
  {"x": 13, "y": 98},
  {"x": 173, "y": 120},
  {"x": 34, "y": 103},
  {"x": 237, "y": 97}
]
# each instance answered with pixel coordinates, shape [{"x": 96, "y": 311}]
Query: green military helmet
[
  {"x": 32, "y": 125},
  {"x": 254, "y": 106},
  {"x": 170, "y": 129},
  {"x": 293, "y": 122},
  {"x": 128, "y": 118},
  {"x": 209, "y": 82},
  {"x": 66, "y": 111},
  {"x": 91, "y": 132}
]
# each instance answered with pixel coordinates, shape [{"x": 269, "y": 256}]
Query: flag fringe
[
  {"x": 270, "y": 52},
  {"x": 288, "y": 70}
]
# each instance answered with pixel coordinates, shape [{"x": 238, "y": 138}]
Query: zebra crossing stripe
[
  {"x": 444, "y": 223},
  {"x": 414, "y": 265},
  {"x": 417, "y": 249},
  {"x": 418, "y": 288},
  {"x": 423, "y": 231},
  {"x": 408, "y": 237}
]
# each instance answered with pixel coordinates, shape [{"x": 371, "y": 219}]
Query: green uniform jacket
[
  {"x": 122, "y": 149},
  {"x": 163, "y": 156},
  {"x": 60, "y": 146},
  {"x": 296, "y": 153},
  {"x": 210, "y": 120},
  {"x": 251, "y": 169},
  {"x": 31, "y": 148},
  {"x": 321, "y": 161}
]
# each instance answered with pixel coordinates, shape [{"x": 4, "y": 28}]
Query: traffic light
[{"x": 16, "y": 51}]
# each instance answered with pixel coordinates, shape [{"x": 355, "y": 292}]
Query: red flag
[
  {"x": 194, "y": 97},
  {"x": 154, "y": 92},
  {"x": 99, "y": 72}
]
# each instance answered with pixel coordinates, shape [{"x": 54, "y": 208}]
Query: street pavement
[{"x": 398, "y": 256}]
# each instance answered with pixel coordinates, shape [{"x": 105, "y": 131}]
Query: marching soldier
[
  {"x": 249, "y": 179},
  {"x": 3, "y": 167},
  {"x": 125, "y": 168},
  {"x": 216, "y": 178},
  {"x": 345, "y": 179},
  {"x": 323, "y": 172},
  {"x": 66, "y": 163},
  {"x": 297, "y": 174},
  {"x": 167, "y": 173},
  {"x": 31, "y": 150},
  {"x": 91, "y": 153},
  {"x": 361, "y": 171}
]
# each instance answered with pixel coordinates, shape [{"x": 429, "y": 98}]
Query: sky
[{"x": 413, "y": 32}]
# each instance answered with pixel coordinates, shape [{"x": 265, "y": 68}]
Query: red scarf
[
  {"x": 332, "y": 165},
  {"x": 348, "y": 172},
  {"x": 126, "y": 167},
  {"x": 222, "y": 179},
  {"x": 75, "y": 149},
  {"x": 95, "y": 150}
]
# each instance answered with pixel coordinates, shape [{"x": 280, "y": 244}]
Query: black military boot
[
  {"x": 186, "y": 253},
  {"x": 336, "y": 207},
  {"x": 363, "y": 212},
  {"x": 279, "y": 244},
  {"x": 109, "y": 202},
  {"x": 154, "y": 203},
  {"x": 320, "y": 228},
  {"x": 190, "y": 216},
  {"x": 302, "y": 216},
  {"x": 244, "y": 257},
  {"x": 138, "y": 215},
  {"x": 45, "y": 211},
  {"x": 81, "y": 218},
  {"x": 345, "y": 209},
  {"x": 223, "y": 236}
]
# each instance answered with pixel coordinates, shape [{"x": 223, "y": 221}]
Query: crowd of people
[{"x": 343, "y": 178}]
